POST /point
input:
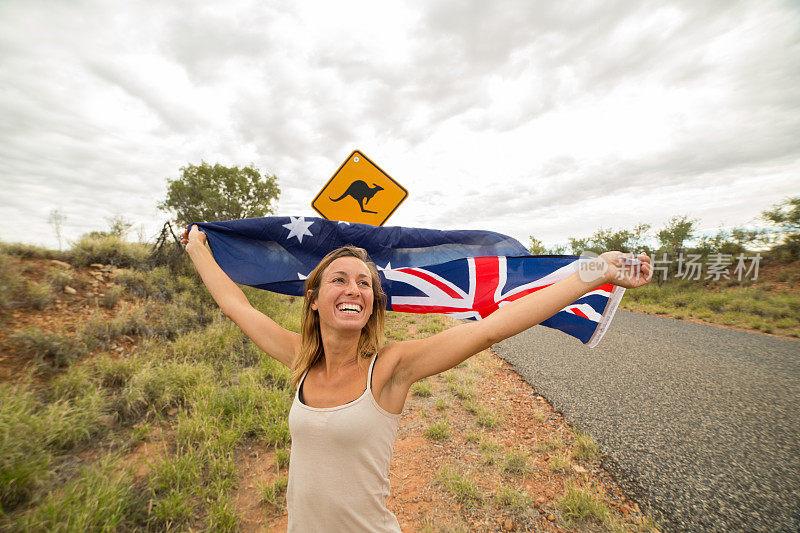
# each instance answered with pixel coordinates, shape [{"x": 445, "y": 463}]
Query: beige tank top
[{"x": 339, "y": 465}]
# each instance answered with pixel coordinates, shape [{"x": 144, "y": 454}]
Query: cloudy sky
[{"x": 528, "y": 118}]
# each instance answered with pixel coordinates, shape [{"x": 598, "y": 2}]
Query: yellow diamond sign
[{"x": 359, "y": 192}]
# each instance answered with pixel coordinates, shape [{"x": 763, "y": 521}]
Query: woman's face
[{"x": 345, "y": 297}]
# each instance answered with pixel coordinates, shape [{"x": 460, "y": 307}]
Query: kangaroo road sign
[{"x": 359, "y": 192}]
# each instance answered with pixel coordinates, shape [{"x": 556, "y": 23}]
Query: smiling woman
[{"x": 345, "y": 413}]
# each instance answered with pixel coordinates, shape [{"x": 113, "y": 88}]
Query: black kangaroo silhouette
[{"x": 361, "y": 193}]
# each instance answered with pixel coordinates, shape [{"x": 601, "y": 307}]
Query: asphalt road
[{"x": 699, "y": 424}]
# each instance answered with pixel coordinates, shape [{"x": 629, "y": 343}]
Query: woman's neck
[{"x": 340, "y": 349}]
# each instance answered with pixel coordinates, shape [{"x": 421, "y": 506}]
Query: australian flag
[{"x": 463, "y": 273}]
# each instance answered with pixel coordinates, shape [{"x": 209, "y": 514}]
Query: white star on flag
[
  {"x": 298, "y": 227},
  {"x": 300, "y": 276},
  {"x": 387, "y": 267}
]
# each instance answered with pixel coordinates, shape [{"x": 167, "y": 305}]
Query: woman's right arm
[{"x": 277, "y": 342}]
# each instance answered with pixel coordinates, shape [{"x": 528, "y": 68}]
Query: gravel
[{"x": 699, "y": 424}]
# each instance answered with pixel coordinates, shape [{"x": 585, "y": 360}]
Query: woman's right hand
[{"x": 193, "y": 236}]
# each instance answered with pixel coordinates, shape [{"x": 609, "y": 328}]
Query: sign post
[{"x": 359, "y": 192}]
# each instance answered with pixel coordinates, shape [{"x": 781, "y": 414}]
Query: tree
[
  {"x": 57, "y": 219},
  {"x": 578, "y": 246},
  {"x": 730, "y": 242},
  {"x": 537, "y": 248},
  {"x": 119, "y": 225},
  {"x": 638, "y": 236},
  {"x": 786, "y": 216},
  {"x": 608, "y": 239},
  {"x": 676, "y": 232},
  {"x": 204, "y": 193}
]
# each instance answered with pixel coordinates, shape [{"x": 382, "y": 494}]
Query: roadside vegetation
[
  {"x": 129, "y": 402},
  {"x": 496, "y": 475},
  {"x": 147, "y": 363},
  {"x": 738, "y": 277},
  {"x": 134, "y": 412}
]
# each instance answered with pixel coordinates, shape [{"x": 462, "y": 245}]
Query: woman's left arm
[{"x": 418, "y": 359}]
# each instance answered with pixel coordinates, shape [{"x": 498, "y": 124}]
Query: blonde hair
[{"x": 311, "y": 349}]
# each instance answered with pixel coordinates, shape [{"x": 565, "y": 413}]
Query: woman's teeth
[{"x": 349, "y": 308}]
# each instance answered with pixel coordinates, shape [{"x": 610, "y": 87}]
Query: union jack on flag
[
  {"x": 462, "y": 273},
  {"x": 475, "y": 287}
]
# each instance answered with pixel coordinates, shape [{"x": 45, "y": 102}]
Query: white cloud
[{"x": 523, "y": 117}]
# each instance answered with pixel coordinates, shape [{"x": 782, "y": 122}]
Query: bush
[
  {"x": 156, "y": 388},
  {"x": 113, "y": 373},
  {"x": 185, "y": 314},
  {"x": 111, "y": 297},
  {"x": 40, "y": 295},
  {"x": 580, "y": 504},
  {"x": 66, "y": 423},
  {"x": 24, "y": 463},
  {"x": 75, "y": 382},
  {"x": 10, "y": 283},
  {"x": 102, "y": 332},
  {"x": 516, "y": 462},
  {"x": 158, "y": 283},
  {"x": 59, "y": 277},
  {"x": 586, "y": 449},
  {"x": 461, "y": 486},
  {"x": 31, "y": 431},
  {"x": 108, "y": 250},
  {"x": 18, "y": 249},
  {"x": 101, "y": 498},
  {"x": 50, "y": 350}
]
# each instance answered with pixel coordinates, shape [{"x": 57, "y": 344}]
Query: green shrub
[
  {"x": 489, "y": 446},
  {"x": 486, "y": 418},
  {"x": 516, "y": 462},
  {"x": 586, "y": 449},
  {"x": 438, "y": 431},
  {"x": 157, "y": 387},
  {"x": 66, "y": 423},
  {"x": 110, "y": 298},
  {"x": 31, "y": 431},
  {"x": 59, "y": 277},
  {"x": 184, "y": 314},
  {"x": 18, "y": 249},
  {"x": 101, "y": 498},
  {"x": 222, "y": 514},
  {"x": 580, "y": 504},
  {"x": 75, "y": 382},
  {"x": 102, "y": 332},
  {"x": 422, "y": 388},
  {"x": 158, "y": 283},
  {"x": 559, "y": 463},
  {"x": 282, "y": 456},
  {"x": 513, "y": 499},
  {"x": 40, "y": 295},
  {"x": 461, "y": 487},
  {"x": 108, "y": 250},
  {"x": 50, "y": 350},
  {"x": 172, "y": 483},
  {"x": 24, "y": 462},
  {"x": 275, "y": 494},
  {"x": 10, "y": 283},
  {"x": 461, "y": 387},
  {"x": 227, "y": 414},
  {"x": 221, "y": 340},
  {"x": 113, "y": 373}
]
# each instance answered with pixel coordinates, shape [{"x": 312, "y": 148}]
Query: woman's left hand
[{"x": 620, "y": 272}]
